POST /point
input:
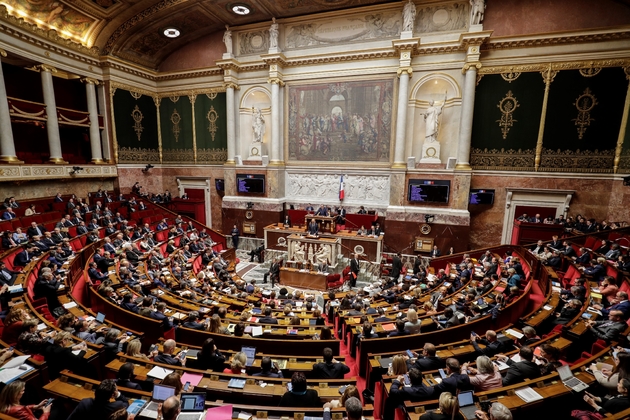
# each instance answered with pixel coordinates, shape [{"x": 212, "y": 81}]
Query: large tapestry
[
  {"x": 341, "y": 121},
  {"x": 211, "y": 127},
  {"x": 135, "y": 119},
  {"x": 176, "y": 122}
]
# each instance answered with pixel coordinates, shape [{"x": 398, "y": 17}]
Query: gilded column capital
[
  {"x": 402, "y": 70},
  {"x": 157, "y": 100},
  {"x": 276, "y": 81},
  {"x": 3, "y": 52},
  {"x": 45, "y": 67},
  {"x": 90, "y": 81},
  {"x": 467, "y": 66},
  {"x": 231, "y": 85},
  {"x": 626, "y": 70}
]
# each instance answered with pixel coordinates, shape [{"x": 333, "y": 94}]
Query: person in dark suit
[
  {"x": 287, "y": 221},
  {"x": 619, "y": 303},
  {"x": 354, "y": 270},
  {"x": 209, "y": 358},
  {"x": 597, "y": 270},
  {"x": 94, "y": 274},
  {"x": 192, "y": 323},
  {"x": 608, "y": 330},
  {"x": 493, "y": 346},
  {"x": 100, "y": 407},
  {"x": 167, "y": 323},
  {"x": 46, "y": 287},
  {"x": 519, "y": 371},
  {"x": 256, "y": 253},
  {"x": 23, "y": 258},
  {"x": 555, "y": 242},
  {"x": 567, "y": 249},
  {"x": 396, "y": 266},
  {"x": 269, "y": 369},
  {"x": 273, "y": 273},
  {"x": 399, "y": 393},
  {"x": 7, "y": 276},
  {"x": 329, "y": 368},
  {"x": 58, "y": 198},
  {"x": 60, "y": 356},
  {"x": 400, "y": 329},
  {"x": 166, "y": 356},
  {"x": 35, "y": 230},
  {"x": 126, "y": 376},
  {"x": 435, "y": 252},
  {"x": 454, "y": 381},
  {"x": 299, "y": 396},
  {"x": 267, "y": 318},
  {"x": 128, "y": 303},
  {"x": 427, "y": 360},
  {"x": 312, "y": 228}
]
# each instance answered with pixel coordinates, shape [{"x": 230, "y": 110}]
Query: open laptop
[
  {"x": 567, "y": 378},
  {"x": 193, "y": 406},
  {"x": 466, "y": 404},
  {"x": 250, "y": 353},
  {"x": 160, "y": 394},
  {"x": 100, "y": 318}
]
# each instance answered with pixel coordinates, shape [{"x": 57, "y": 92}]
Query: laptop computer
[
  {"x": 466, "y": 404},
  {"x": 250, "y": 352},
  {"x": 100, "y": 318},
  {"x": 567, "y": 378},
  {"x": 160, "y": 394},
  {"x": 192, "y": 406}
]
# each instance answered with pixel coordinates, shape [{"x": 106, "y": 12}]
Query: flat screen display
[
  {"x": 250, "y": 184},
  {"x": 481, "y": 196},
  {"x": 428, "y": 191}
]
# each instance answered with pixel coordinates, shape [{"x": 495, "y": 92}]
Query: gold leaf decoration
[
  {"x": 176, "y": 119},
  {"x": 137, "y": 116},
  {"x": 584, "y": 104},
  {"x": 507, "y": 106},
  {"x": 212, "y": 118}
]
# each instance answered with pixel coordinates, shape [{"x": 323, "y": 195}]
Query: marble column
[
  {"x": 401, "y": 118},
  {"x": 466, "y": 122},
  {"x": 231, "y": 123},
  {"x": 52, "y": 125},
  {"x": 102, "y": 107},
  {"x": 95, "y": 132},
  {"x": 275, "y": 121},
  {"x": 7, "y": 146}
]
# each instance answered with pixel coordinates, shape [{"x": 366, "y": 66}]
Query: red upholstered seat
[{"x": 334, "y": 281}]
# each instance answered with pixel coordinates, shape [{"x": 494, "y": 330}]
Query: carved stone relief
[
  {"x": 254, "y": 42},
  {"x": 442, "y": 18},
  {"x": 325, "y": 187}
]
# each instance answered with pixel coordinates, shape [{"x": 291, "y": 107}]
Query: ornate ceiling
[{"x": 133, "y": 29}]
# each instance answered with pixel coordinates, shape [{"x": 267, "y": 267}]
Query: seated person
[
  {"x": 299, "y": 395},
  {"x": 428, "y": 359},
  {"x": 493, "y": 346},
  {"x": 449, "y": 409},
  {"x": 269, "y": 369},
  {"x": 519, "y": 371},
  {"x": 399, "y": 393},
  {"x": 100, "y": 406},
  {"x": 329, "y": 368},
  {"x": 485, "y": 377},
  {"x": 166, "y": 356}
]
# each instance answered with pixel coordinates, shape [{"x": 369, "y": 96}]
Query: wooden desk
[{"x": 304, "y": 280}]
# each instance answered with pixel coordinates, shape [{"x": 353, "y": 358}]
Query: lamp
[{"x": 147, "y": 168}]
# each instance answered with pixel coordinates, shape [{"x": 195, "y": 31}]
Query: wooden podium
[{"x": 326, "y": 224}]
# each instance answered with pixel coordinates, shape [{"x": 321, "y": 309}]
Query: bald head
[{"x": 170, "y": 408}]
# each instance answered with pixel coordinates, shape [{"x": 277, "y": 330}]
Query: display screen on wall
[
  {"x": 219, "y": 184},
  {"x": 250, "y": 183},
  {"x": 428, "y": 191},
  {"x": 481, "y": 196}
]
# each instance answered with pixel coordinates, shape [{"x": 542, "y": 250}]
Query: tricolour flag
[{"x": 341, "y": 191}]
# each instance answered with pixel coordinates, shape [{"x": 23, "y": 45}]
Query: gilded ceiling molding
[
  {"x": 125, "y": 69},
  {"x": 3, "y": 52},
  {"x": 509, "y": 44},
  {"x": 48, "y": 34},
  {"x": 115, "y": 85},
  {"x": 89, "y": 80},
  {"x": 189, "y": 92},
  {"x": 140, "y": 17},
  {"x": 177, "y": 76},
  {"x": 544, "y": 67}
]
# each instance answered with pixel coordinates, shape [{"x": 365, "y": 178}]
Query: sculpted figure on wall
[
  {"x": 298, "y": 251},
  {"x": 322, "y": 255},
  {"x": 364, "y": 188},
  {"x": 431, "y": 118},
  {"x": 409, "y": 16},
  {"x": 258, "y": 125},
  {"x": 273, "y": 34},
  {"x": 227, "y": 39},
  {"x": 477, "y": 9}
]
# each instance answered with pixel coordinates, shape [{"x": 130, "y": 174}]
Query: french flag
[{"x": 341, "y": 190}]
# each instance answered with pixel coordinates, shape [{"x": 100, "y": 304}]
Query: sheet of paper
[
  {"x": 528, "y": 395},
  {"x": 69, "y": 305},
  {"x": 15, "y": 362},
  {"x": 9, "y": 375},
  {"x": 257, "y": 331},
  {"x": 514, "y": 333},
  {"x": 547, "y": 307},
  {"x": 159, "y": 372}
]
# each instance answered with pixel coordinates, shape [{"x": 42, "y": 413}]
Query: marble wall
[{"x": 601, "y": 198}]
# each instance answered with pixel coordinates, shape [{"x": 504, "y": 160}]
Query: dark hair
[
  {"x": 207, "y": 348},
  {"x": 367, "y": 329},
  {"x": 105, "y": 391},
  {"x": 239, "y": 330},
  {"x": 125, "y": 371},
  {"x": 267, "y": 311},
  {"x": 526, "y": 353},
  {"x": 415, "y": 376},
  {"x": 400, "y": 325},
  {"x": 298, "y": 381},
  {"x": 325, "y": 334},
  {"x": 265, "y": 364},
  {"x": 328, "y": 355},
  {"x": 551, "y": 351}
]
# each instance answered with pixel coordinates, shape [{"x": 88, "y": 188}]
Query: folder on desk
[
  {"x": 193, "y": 378},
  {"x": 388, "y": 327}
]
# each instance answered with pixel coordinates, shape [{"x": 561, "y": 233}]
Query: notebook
[
  {"x": 192, "y": 406},
  {"x": 567, "y": 378},
  {"x": 466, "y": 404},
  {"x": 250, "y": 353}
]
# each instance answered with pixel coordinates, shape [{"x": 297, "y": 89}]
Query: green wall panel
[
  {"x": 135, "y": 117},
  {"x": 176, "y": 128},
  {"x": 211, "y": 128}
]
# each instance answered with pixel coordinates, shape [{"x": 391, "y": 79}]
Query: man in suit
[
  {"x": 567, "y": 249},
  {"x": 9, "y": 214},
  {"x": 354, "y": 270},
  {"x": 608, "y": 330},
  {"x": 159, "y": 314},
  {"x": 538, "y": 248},
  {"x": 167, "y": 354},
  {"x": 95, "y": 275},
  {"x": 273, "y": 273},
  {"x": 555, "y": 242},
  {"x": 596, "y": 271},
  {"x": 49, "y": 241},
  {"x": 100, "y": 406},
  {"x": 313, "y": 228},
  {"x": 435, "y": 252},
  {"x": 35, "y": 230},
  {"x": 619, "y": 303},
  {"x": 107, "y": 246},
  {"x": 329, "y": 368},
  {"x": 7, "y": 276},
  {"x": 267, "y": 318},
  {"x": 454, "y": 380},
  {"x": 46, "y": 287},
  {"x": 399, "y": 393},
  {"x": 106, "y": 262},
  {"x": 493, "y": 346},
  {"x": 192, "y": 323},
  {"x": 427, "y": 360},
  {"x": 519, "y": 371},
  {"x": 82, "y": 229},
  {"x": 268, "y": 369},
  {"x": 397, "y": 266},
  {"x": 58, "y": 198},
  {"x": 58, "y": 236},
  {"x": 376, "y": 230},
  {"x": 23, "y": 258}
]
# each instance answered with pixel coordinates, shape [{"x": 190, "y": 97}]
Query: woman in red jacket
[{"x": 10, "y": 403}]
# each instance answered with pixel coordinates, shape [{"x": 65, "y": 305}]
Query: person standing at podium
[
  {"x": 287, "y": 221},
  {"x": 313, "y": 228}
]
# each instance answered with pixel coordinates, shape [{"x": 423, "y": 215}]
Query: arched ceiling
[{"x": 133, "y": 29}]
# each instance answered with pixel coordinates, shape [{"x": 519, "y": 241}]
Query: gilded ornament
[
  {"x": 507, "y": 106},
  {"x": 212, "y": 118},
  {"x": 510, "y": 76},
  {"x": 136, "y": 95},
  {"x": 584, "y": 104},
  {"x": 174, "y": 99},
  {"x": 212, "y": 96},
  {"x": 176, "y": 119},
  {"x": 590, "y": 71},
  {"x": 137, "y": 116}
]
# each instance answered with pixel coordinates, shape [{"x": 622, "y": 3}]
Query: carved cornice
[
  {"x": 566, "y": 65},
  {"x": 176, "y": 76},
  {"x": 130, "y": 70},
  {"x": 277, "y": 58},
  {"x": 232, "y": 85},
  {"x": 411, "y": 44},
  {"x": 229, "y": 65},
  {"x": 467, "y": 66},
  {"x": 441, "y": 48},
  {"x": 47, "y": 34},
  {"x": 42, "y": 172},
  {"x": 116, "y": 85},
  {"x": 473, "y": 38},
  {"x": 191, "y": 92},
  {"x": 547, "y": 40}
]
